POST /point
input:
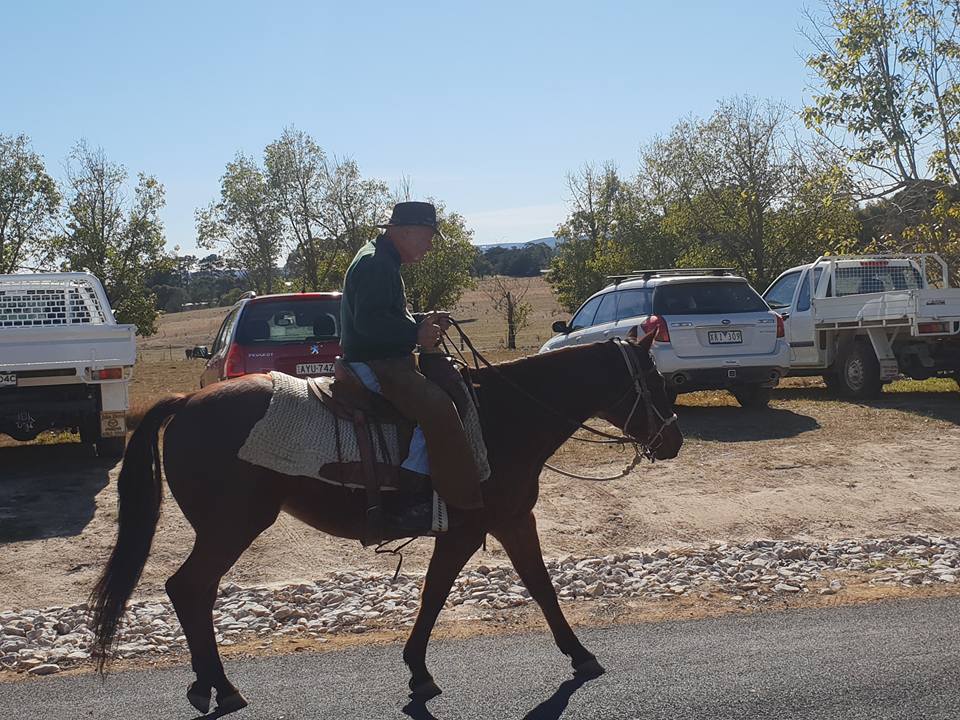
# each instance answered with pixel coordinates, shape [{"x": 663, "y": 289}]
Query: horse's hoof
[
  {"x": 230, "y": 703},
  {"x": 199, "y": 697},
  {"x": 424, "y": 690},
  {"x": 588, "y": 669}
]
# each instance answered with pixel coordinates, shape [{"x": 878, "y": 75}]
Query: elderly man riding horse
[{"x": 379, "y": 335}]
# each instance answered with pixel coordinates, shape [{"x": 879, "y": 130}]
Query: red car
[{"x": 294, "y": 333}]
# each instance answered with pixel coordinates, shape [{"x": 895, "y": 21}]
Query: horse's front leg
[
  {"x": 450, "y": 553},
  {"x": 523, "y": 547}
]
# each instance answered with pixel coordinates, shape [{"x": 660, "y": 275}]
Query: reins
[{"x": 642, "y": 449}]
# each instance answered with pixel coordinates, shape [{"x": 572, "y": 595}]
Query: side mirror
[
  {"x": 561, "y": 327},
  {"x": 203, "y": 352}
]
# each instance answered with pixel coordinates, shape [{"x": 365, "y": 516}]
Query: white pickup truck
[
  {"x": 65, "y": 363},
  {"x": 862, "y": 321}
]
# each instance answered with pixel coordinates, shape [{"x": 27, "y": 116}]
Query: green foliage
[
  {"x": 526, "y": 261},
  {"x": 29, "y": 205},
  {"x": 889, "y": 99},
  {"x": 120, "y": 242},
  {"x": 230, "y": 297},
  {"x": 890, "y": 87},
  {"x": 247, "y": 221},
  {"x": 439, "y": 280},
  {"x": 610, "y": 230},
  {"x": 736, "y": 191}
]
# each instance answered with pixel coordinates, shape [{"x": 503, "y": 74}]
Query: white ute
[
  {"x": 862, "y": 321},
  {"x": 65, "y": 362}
]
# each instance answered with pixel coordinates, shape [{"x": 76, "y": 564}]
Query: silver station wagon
[{"x": 712, "y": 330}]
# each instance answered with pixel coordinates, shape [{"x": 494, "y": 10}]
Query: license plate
[
  {"x": 724, "y": 337},
  {"x": 113, "y": 424},
  {"x": 8, "y": 379},
  {"x": 315, "y": 369}
]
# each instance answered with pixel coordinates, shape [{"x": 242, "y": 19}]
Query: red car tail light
[
  {"x": 115, "y": 373},
  {"x": 935, "y": 327},
  {"x": 658, "y": 325},
  {"x": 235, "y": 365}
]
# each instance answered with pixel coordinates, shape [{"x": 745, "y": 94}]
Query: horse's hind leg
[
  {"x": 523, "y": 547},
  {"x": 450, "y": 553},
  {"x": 193, "y": 591}
]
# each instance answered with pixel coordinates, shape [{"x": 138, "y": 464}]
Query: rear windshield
[
  {"x": 289, "y": 321},
  {"x": 709, "y": 298},
  {"x": 876, "y": 278}
]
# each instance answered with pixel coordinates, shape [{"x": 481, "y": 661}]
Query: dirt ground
[{"x": 808, "y": 467}]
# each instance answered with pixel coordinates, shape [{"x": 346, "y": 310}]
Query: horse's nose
[{"x": 670, "y": 447}]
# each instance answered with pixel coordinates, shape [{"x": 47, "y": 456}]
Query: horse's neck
[{"x": 567, "y": 384}]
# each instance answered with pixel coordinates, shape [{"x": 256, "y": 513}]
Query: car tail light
[
  {"x": 108, "y": 374},
  {"x": 781, "y": 331},
  {"x": 234, "y": 366},
  {"x": 656, "y": 324},
  {"x": 927, "y": 328}
]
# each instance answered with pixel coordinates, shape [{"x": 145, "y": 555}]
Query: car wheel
[
  {"x": 752, "y": 397},
  {"x": 859, "y": 376},
  {"x": 111, "y": 447}
]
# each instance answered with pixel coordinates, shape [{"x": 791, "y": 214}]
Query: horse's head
[{"x": 643, "y": 411}]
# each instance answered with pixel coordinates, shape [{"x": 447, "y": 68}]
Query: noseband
[{"x": 641, "y": 388}]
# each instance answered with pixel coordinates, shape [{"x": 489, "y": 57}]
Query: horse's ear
[
  {"x": 647, "y": 340},
  {"x": 632, "y": 335}
]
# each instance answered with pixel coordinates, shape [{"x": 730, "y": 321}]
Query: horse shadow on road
[
  {"x": 550, "y": 709},
  {"x": 737, "y": 424},
  {"x": 48, "y": 490}
]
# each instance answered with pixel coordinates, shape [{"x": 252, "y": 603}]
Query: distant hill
[{"x": 550, "y": 242}]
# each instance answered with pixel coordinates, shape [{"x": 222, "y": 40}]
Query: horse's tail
[{"x": 139, "y": 490}]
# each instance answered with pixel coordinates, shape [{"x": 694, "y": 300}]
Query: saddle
[{"x": 349, "y": 399}]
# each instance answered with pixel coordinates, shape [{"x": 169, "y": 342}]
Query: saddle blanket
[{"x": 298, "y": 435}]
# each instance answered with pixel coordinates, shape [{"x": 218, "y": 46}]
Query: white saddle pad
[{"x": 298, "y": 435}]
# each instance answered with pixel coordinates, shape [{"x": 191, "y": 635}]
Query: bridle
[
  {"x": 639, "y": 385},
  {"x": 641, "y": 388}
]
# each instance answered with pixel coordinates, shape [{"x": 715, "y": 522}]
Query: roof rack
[{"x": 668, "y": 272}]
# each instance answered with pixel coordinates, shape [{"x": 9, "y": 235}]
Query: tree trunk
[{"x": 511, "y": 322}]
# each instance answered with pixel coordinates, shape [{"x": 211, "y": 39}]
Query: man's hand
[
  {"x": 439, "y": 317},
  {"x": 431, "y": 329}
]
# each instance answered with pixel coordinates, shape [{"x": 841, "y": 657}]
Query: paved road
[{"x": 890, "y": 660}]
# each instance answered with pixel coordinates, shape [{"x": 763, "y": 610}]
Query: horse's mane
[{"x": 538, "y": 363}]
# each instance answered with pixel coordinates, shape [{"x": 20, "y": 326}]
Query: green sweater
[{"x": 374, "y": 321}]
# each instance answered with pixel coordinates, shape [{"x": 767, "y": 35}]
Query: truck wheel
[
  {"x": 111, "y": 447},
  {"x": 859, "y": 375},
  {"x": 752, "y": 397}
]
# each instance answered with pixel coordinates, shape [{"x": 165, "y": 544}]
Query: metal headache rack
[
  {"x": 669, "y": 272},
  {"x": 46, "y": 300}
]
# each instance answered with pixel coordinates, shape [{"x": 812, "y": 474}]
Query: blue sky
[{"x": 486, "y": 106}]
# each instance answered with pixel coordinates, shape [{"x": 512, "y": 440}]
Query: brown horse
[{"x": 528, "y": 409}]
